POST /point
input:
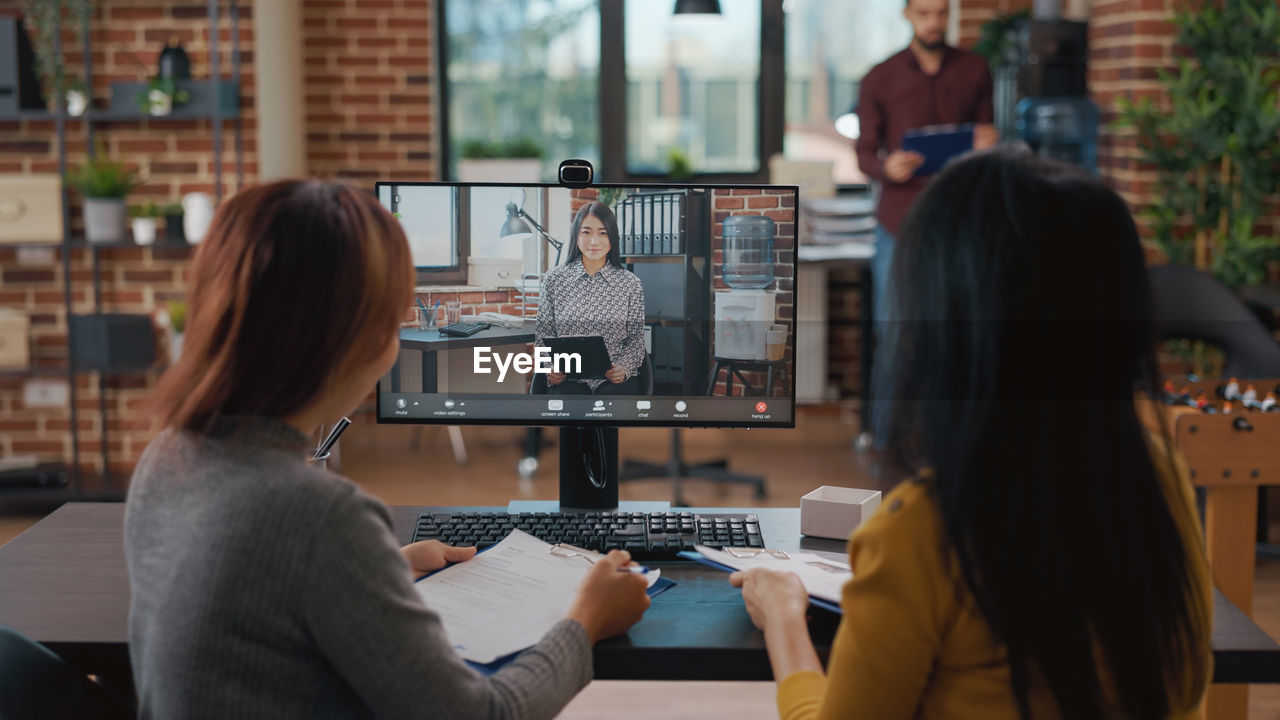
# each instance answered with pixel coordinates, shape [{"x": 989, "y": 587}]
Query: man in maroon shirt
[{"x": 929, "y": 83}]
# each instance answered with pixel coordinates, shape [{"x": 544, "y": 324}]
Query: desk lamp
[{"x": 517, "y": 226}]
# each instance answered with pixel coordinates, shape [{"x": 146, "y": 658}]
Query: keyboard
[
  {"x": 463, "y": 329},
  {"x": 647, "y": 536}
]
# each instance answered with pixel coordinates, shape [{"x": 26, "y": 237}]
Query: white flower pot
[
  {"x": 197, "y": 214},
  {"x": 160, "y": 102},
  {"x": 77, "y": 103},
  {"x": 144, "y": 230},
  {"x": 175, "y": 346},
  {"x": 104, "y": 219}
]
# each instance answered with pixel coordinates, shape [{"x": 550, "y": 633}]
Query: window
[
  {"x": 522, "y": 69},
  {"x": 621, "y": 83},
  {"x": 824, "y": 68},
  {"x": 693, "y": 87},
  {"x": 431, "y": 218}
]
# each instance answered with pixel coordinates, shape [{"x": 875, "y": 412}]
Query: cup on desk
[
  {"x": 452, "y": 312},
  {"x": 775, "y": 344},
  {"x": 426, "y": 318}
]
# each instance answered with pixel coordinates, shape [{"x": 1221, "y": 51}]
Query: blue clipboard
[
  {"x": 938, "y": 144},
  {"x": 700, "y": 558},
  {"x": 486, "y": 669}
]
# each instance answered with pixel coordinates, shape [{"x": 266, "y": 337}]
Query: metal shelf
[{"x": 213, "y": 98}]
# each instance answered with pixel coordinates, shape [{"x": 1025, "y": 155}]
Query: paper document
[
  {"x": 506, "y": 598},
  {"x": 823, "y": 577}
]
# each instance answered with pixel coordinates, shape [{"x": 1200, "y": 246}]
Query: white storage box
[
  {"x": 494, "y": 272},
  {"x": 15, "y": 348},
  {"x": 834, "y": 512}
]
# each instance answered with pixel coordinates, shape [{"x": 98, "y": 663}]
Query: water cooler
[
  {"x": 745, "y": 312},
  {"x": 1056, "y": 117},
  {"x": 1062, "y": 128}
]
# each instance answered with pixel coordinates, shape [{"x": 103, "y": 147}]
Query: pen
[
  {"x": 334, "y": 434},
  {"x": 419, "y": 301},
  {"x": 634, "y": 569}
]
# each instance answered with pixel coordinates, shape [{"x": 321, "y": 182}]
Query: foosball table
[{"x": 1229, "y": 434}]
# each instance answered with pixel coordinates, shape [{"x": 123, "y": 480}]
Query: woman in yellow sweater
[{"x": 1045, "y": 561}]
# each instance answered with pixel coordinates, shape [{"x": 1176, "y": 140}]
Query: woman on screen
[
  {"x": 263, "y": 586},
  {"x": 591, "y": 294},
  {"x": 1045, "y": 558}
]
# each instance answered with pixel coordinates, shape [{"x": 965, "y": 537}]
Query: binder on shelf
[
  {"x": 646, "y": 224},
  {"x": 673, "y": 226},
  {"x": 623, "y": 229},
  {"x": 677, "y": 239}
]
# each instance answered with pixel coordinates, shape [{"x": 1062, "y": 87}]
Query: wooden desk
[
  {"x": 429, "y": 342},
  {"x": 63, "y": 583}
]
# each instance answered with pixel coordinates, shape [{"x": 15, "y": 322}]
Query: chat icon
[{"x": 643, "y": 404}]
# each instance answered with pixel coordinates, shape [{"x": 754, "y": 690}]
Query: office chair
[
  {"x": 36, "y": 683},
  {"x": 1192, "y": 304}
]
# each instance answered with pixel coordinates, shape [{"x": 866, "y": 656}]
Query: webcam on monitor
[{"x": 576, "y": 173}]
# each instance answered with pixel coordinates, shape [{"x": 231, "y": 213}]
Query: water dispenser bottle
[{"x": 748, "y": 251}]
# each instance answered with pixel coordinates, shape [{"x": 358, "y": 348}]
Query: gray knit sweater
[{"x": 263, "y": 587}]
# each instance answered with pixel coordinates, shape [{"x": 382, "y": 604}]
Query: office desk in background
[
  {"x": 430, "y": 342},
  {"x": 63, "y": 583}
]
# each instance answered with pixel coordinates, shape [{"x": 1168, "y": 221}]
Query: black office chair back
[
  {"x": 1192, "y": 304},
  {"x": 538, "y": 386},
  {"x": 36, "y": 683}
]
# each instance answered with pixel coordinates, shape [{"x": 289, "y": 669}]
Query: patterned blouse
[{"x": 609, "y": 303}]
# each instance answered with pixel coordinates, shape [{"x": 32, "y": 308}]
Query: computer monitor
[{"x": 605, "y": 306}]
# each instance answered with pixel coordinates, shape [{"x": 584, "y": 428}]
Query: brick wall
[
  {"x": 369, "y": 113},
  {"x": 974, "y": 13},
  {"x": 369, "y": 91}
]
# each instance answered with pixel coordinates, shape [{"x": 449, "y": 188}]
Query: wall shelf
[{"x": 124, "y": 109}]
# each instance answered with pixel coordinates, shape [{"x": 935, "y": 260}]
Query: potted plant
[
  {"x": 508, "y": 161},
  {"x": 173, "y": 232},
  {"x": 144, "y": 222},
  {"x": 161, "y": 95},
  {"x": 1214, "y": 140},
  {"x": 173, "y": 318},
  {"x": 679, "y": 167},
  {"x": 77, "y": 97},
  {"x": 42, "y": 18},
  {"x": 103, "y": 184}
]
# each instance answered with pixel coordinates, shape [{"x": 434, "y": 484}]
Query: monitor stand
[{"x": 577, "y": 492}]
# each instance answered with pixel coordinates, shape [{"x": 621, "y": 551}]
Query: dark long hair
[
  {"x": 297, "y": 283},
  {"x": 606, "y": 216},
  {"x": 1026, "y": 325}
]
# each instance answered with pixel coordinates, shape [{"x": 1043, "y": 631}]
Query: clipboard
[
  {"x": 592, "y": 350},
  {"x": 520, "y": 633},
  {"x": 702, "y": 559},
  {"x": 938, "y": 144}
]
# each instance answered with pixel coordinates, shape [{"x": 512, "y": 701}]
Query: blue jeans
[{"x": 882, "y": 336}]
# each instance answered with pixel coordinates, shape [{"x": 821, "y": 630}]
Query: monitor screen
[{"x": 604, "y": 305}]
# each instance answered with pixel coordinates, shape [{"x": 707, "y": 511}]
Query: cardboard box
[
  {"x": 835, "y": 512},
  {"x": 30, "y": 208},
  {"x": 15, "y": 347}
]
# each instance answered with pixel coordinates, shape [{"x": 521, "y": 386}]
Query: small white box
[
  {"x": 835, "y": 512},
  {"x": 15, "y": 346},
  {"x": 494, "y": 272}
]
